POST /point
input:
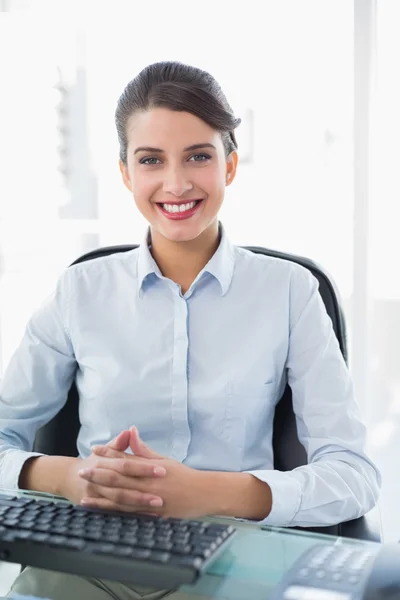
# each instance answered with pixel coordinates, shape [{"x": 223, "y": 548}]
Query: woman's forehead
[{"x": 159, "y": 126}]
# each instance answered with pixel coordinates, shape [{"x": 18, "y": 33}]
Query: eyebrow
[{"x": 188, "y": 149}]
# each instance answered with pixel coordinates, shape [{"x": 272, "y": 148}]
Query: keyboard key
[
  {"x": 61, "y": 530},
  {"x": 186, "y": 561},
  {"x": 163, "y": 545},
  {"x": 13, "y": 512},
  {"x": 40, "y": 537},
  {"x": 114, "y": 539},
  {"x": 57, "y": 540},
  {"x": 124, "y": 551},
  {"x": 25, "y": 525},
  {"x": 43, "y": 527},
  {"x": 182, "y": 538},
  {"x": 92, "y": 535},
  {"x": 105, "y": 548},
  {"x": 25, "y": 501},
  {"x": 140, "y": 553},
  {"x": 146, "y": 543},
  {"x": 8, "y": 536},
  {"x": 75, "y": 544},
  {"x": 162, "y": 557},
  {"x": 181, "y": 548},
  {"x": 23, "y": 535},
  {"x": 7, "y": 498},
  {"x": 10, "y": 522}
]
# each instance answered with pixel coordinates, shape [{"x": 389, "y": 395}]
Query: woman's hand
[
  {"x": 76, "y": 487},
  {"x": 114, "y": 482}
]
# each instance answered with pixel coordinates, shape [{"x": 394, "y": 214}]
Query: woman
[{"x": 180, "y": 351}]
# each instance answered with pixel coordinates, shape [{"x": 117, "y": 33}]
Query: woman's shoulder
[
  {"x": 105, "y": 263},
  {"x": 261, "y": 262},
  {"x": 272, "y": 272},
  {"x": 97, "y": 272}
]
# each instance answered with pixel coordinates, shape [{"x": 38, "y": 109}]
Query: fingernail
[
  {"x": 137, "y": 433},
  {"x": 84, "y": 472},
  {"x": 95, "y": 448},
  {"x": 156, "y": 502},
  {"x": 159, "y": 471},
  {"x": 85, "y": 501}
]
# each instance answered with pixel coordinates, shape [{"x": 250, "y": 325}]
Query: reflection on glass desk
[{"x": 256, "y": 560}]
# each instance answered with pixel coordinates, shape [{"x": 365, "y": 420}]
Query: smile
[{"x": 179, "y": 211}]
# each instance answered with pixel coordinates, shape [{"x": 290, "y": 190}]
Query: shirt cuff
[
  {"x": 11, "y": 466},
  {"x": 286, "y": 496}
]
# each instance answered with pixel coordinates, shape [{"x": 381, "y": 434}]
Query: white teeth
[{"x": 174, "y": 208}]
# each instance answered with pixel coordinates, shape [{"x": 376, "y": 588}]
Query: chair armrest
[{"x": 368, "y": 527}]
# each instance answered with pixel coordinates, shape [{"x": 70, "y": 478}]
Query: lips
[{"x": 179, "y": 216}]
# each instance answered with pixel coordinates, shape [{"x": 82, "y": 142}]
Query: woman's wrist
[
  {"x": 47, "y": 474},
  {"x": 238, "y": 495}
]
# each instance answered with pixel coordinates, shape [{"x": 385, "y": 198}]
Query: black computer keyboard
[{"x": 130, "y": 548}]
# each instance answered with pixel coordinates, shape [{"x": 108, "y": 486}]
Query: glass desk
[{"x": 255, "y": 561}]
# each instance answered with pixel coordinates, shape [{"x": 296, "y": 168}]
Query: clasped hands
[{"x": 144, "y": 482}]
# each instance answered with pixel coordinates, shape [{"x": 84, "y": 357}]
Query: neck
[{"x": 182, "y": 261}]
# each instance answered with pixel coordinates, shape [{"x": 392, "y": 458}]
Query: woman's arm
[
  {"x": 47, "y": 474},
  {"x": 340, "y": 482},
  {"x": 238, "y": 495},
  {"x": 33, "y": 389}
]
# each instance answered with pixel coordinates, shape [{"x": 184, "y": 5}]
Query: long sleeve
[
  {"x": 339, "y": 482},
  {"x": 35, "y": 385}
]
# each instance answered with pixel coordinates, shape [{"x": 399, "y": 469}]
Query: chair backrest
[{"x": 58, "y": 437}]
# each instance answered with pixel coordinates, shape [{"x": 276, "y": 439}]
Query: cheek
[
  {"x": 212, "y": 180},
  {"x": 143, "y": 187}
]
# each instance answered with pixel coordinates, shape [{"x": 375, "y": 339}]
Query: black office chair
[{"x": 59, "y": 436}]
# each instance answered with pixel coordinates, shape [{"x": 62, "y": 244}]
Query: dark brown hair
[{"x": 178, "y": 87}]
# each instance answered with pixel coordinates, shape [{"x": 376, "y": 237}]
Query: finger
[
  {"x": 105, "y": 504},
  {"x": 121, "y": 442},
  {"x": 110, "y": 478},
  {"x": 90, "y": 491},
  {"x": 138, "y": 446},
  {"x": 107, "y": 452},
  {"x": 128, "y": 497},
  {"x": 105, "y": 477},
  {"x": 130, "y": 467}
]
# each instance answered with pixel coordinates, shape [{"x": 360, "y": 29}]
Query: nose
[{"x": 176, "y": 181}]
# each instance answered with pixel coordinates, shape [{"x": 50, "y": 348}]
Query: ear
[
  {"x": 125, "y": 175},
  {"x": 231, "y": 167}
]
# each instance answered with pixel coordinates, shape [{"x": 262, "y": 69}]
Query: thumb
[
  {"x": 121, "y": 442},
  {"x": 139, "y": 448}
]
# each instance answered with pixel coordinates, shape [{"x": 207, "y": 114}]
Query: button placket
[{"x": 181, "y": 431}]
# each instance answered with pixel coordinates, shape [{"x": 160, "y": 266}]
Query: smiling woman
[{"x": 180, "y": 351}]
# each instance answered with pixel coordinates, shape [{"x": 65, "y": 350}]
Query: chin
[
  {"x": 182, "y": 237},
  {"x": 183, "y": 233}
]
